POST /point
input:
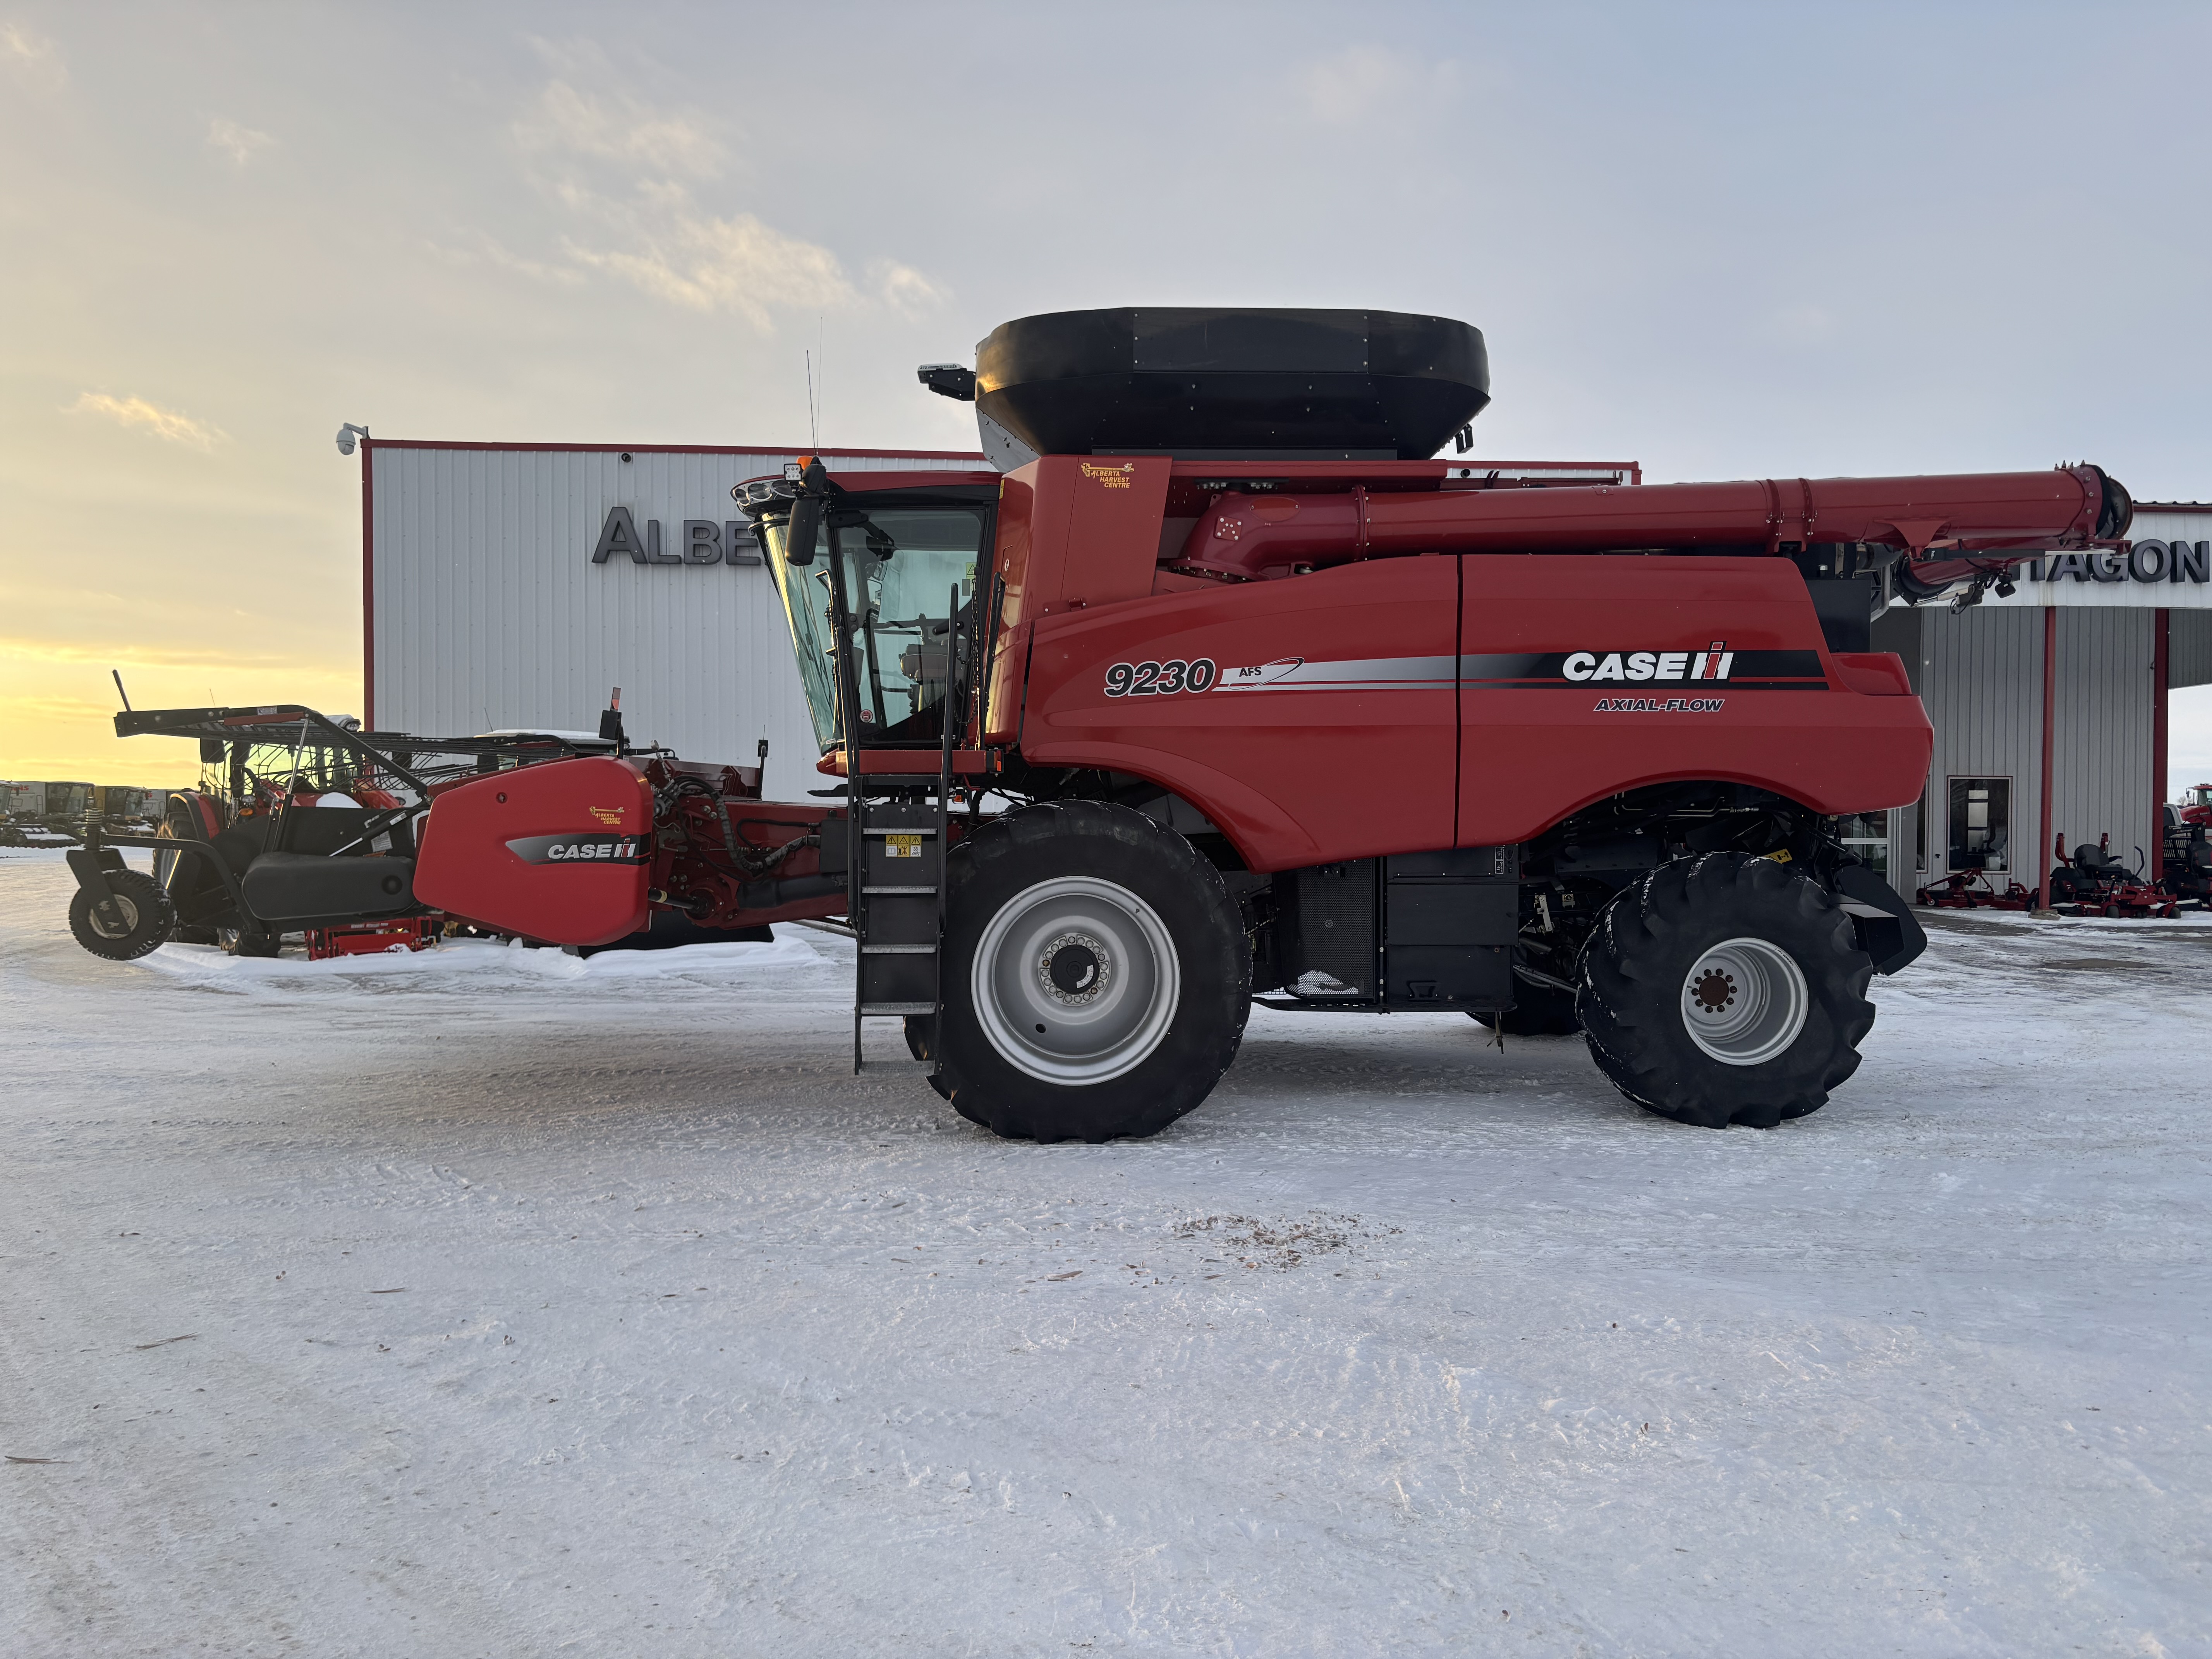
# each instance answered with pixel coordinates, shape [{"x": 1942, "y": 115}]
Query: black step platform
[{"x": 1233, "y": 385}]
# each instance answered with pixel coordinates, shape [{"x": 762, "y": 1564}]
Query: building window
[
  {"x": 1981, "y": 823},
  {"x": 1920, "y": 832},
  {"x": 1866, "y": 835}
]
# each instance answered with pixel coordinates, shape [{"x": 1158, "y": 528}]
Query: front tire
[
  {"x": 138, "y": 924},
  {"x": 1726, "y": 989},
  {"x": 1096, "y": 976}
]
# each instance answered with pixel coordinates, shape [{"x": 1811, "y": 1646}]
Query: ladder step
[
  {"x": 892, "y": 1009},
  {"x": 914, "y": 1067},
  {"x": 917, "y": 829},
  {"x": 916, "y": 890},
  {"x": 898, "y": 950}
]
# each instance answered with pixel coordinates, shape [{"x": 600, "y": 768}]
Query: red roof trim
[{"x": 692, "y": 449}]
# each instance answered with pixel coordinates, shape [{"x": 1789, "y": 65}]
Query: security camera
[{"x": 346, "y": 434}]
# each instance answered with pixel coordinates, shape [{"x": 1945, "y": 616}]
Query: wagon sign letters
[
  {"x": 700, "y": 542},
  {"x": 2148, "y": 560}
]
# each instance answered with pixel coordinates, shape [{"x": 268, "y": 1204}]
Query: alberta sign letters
[{"x": 700, "y": 542}]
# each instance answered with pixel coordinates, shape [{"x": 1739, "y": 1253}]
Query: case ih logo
[
  {"x": 1113, "y": 478},
  {"x": 582, "y": 849},
  {"x": 1712, "y": 663},
  {"x": 1715, "y": 666}
]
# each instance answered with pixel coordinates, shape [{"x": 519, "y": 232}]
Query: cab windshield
[{"x": 901, "y": 565}]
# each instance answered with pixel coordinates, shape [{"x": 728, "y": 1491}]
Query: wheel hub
[
  {"x": 1075, "y": 969},
  {"x": 126, "y": 918},
  {"x": 1715, "y": 991},
  {"x": 1744, "y": 1001}
]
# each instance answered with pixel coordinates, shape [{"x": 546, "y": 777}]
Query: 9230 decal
[{"x": 1161, "y": 680}]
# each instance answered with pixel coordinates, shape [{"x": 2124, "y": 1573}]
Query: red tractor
[{"x": 1224, "y": 691}]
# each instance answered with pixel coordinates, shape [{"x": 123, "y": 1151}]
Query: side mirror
[
  {"x": 805, "y": 525},
  {"x": 210, "y": 751}
]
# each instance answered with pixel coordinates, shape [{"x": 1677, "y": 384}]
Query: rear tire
[
  {"x": 1096, "y": 975},
  {"x": 1726, "y": 989},
  {"x": 138, "y": 924}
]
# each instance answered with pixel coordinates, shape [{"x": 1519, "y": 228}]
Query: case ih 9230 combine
[{"x": 1225, "y": 692}]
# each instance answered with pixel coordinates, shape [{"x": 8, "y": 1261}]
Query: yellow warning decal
[{"x": 902, "y": 846}]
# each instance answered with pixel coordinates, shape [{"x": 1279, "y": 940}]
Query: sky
[{"x": 1726, "y": 241}]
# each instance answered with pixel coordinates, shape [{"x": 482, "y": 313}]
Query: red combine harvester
[{"x": 1225, "y": 692}]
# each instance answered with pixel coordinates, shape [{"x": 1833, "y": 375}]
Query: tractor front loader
[{"x": 1224, "y": 691}]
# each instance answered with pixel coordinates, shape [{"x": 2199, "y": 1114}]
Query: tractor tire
[
  {"x": 242, "y": 942},
  {"x": 140, "y": 923},
  {"x": 1537, "y": 1010},
  {"x": 1725, "y": 989},
  {"x": 1096, "y": 975}
]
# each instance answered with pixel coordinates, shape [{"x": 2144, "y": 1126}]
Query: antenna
[
  {"x": 813, "y": 421},
  {"x": 119, "y": 691}
]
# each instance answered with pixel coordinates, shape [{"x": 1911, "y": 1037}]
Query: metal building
[
  {"x": 515, "y": 585},
  {"x": 2050, "y": 705}
]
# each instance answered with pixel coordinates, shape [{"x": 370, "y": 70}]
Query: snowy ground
[{"x": 495, "y": 1302}]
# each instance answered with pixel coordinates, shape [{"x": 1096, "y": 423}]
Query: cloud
[
  {"x": 33, "y": 58},
  {"x": 1348, "y": 87},
  {"x": 905, "y": 290},
  {"x": 704, "y": 263},
  {"x": 650, "y": 231},
  {"x": 489, "y": 251},
  {"x": 239, "y": 142},
  {"x": 164, "y": 423},
  {"x": 616, "y": 127}
]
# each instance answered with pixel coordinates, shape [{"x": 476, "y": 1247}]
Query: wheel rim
[
  {"x": 124, "y": 909},
  {"x": 1744, "y": 1001},
  {"x": 1075, "y": 981}
]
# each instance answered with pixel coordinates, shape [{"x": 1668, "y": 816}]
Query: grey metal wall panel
[
  {"x": 1981, "y": 677},
  {"x": 2102, "y": 764},
  {"x": 486, "y": 610},
  {"x": 2189, "y": 648}
]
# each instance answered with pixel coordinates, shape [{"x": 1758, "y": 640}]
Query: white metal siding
[
  {"x": 2101, "y": 742},
  {"x": 487, "y": 610}
]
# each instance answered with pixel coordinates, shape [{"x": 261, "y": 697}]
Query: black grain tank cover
[{"x": 1219, "y": 385}]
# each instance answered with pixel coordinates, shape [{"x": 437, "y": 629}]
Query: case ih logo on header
[
  {"x": 582, "y": 849},
  {"x": 703, "y": 541}
]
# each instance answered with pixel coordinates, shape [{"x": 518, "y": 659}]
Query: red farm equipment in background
[{"x": 2094, "y": 883}]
